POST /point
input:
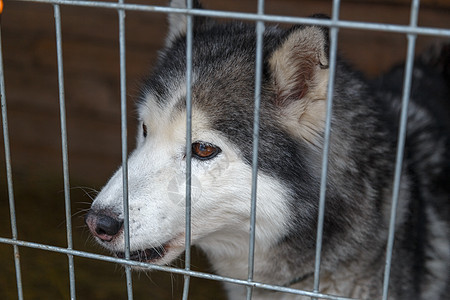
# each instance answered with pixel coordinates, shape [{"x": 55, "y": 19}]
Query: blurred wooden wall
[{"x": 91, "y": 72}]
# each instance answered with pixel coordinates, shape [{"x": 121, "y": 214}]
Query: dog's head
[{"x": 292, "y": 116}]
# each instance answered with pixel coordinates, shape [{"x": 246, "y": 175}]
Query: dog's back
[{"x": 422, "y": 250}]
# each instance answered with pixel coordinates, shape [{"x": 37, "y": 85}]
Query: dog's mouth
[
  {"x": 157, "y": 255},
  {"x": 147, "y": 255}
]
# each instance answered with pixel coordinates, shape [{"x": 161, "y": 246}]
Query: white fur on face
[{"x": 221, "y": 192}]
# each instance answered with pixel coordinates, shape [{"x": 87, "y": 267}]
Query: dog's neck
[
  {"x": 229, "y": 257},
  {"x": 231, "y": 260}
]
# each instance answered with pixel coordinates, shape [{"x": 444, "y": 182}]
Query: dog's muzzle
[{"x": 105, "y": 226}]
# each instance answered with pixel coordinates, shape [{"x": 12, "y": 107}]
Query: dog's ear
[
  {"x": 299, "y": 70},
  {"x": 178, "y": 22},
  {"x": 299, "y": 64}
]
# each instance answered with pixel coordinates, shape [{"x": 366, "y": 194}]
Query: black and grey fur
[{"x": 361, "y": 159}]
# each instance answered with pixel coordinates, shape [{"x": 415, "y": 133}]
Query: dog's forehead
[
  {"x": 222, "y": 81},
  {"x": 221, "y": 59},
  {"x": 216, "y": 94},
  {"x": 169, "y": 118}
]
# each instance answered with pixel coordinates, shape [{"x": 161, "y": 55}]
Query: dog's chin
[
  {"x": 161, "y": 255},
  {"x": 150, "y": 255}
]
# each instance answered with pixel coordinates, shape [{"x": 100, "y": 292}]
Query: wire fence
[{"x": 411, "y": 31}]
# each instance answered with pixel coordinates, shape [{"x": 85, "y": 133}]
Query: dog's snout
[{"x": 103, "y": 226}]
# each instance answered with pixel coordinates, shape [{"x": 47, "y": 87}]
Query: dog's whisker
[
  {"x": 81, "y": 211},
  {"x": 90, "y": 192}
]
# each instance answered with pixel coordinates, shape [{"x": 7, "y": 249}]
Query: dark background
[{"x": 91, "y": 73}]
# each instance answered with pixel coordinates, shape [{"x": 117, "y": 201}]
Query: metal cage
[{"x": 335, "y": 23}]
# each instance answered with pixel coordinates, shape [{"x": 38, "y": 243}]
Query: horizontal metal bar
[
  {"x": 255, "y": 17},
  {"x": 167, "y": 269}
]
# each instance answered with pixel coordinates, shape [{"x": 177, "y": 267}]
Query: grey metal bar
[
  {"x": 255, "y": 17},
  {"x": 326, "y": 144},
  {"x": 407, "y": 80},
  {"x": 258, "y": 77},
  {"x": 62, "y": 111},
  {"x": 187, "y": 255},
  {"x": 12, "y": 206},
  {"x": 123, "y": 116},
  {"x": 166, "y": 269}
]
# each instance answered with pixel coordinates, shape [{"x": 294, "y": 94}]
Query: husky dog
[{"x": 292, "y": 123}]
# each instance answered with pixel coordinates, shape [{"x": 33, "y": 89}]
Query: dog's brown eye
[
  {"x": 144, "y": 130},
  {"x": 203, "y": 151}
]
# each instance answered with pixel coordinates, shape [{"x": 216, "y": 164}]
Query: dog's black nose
[{"x": 103, "y": 226}]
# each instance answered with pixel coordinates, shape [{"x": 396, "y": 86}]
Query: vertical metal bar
[
  {"x": 258, "y": 74},
  {"x": 326, "y": 145},
  {"x": 189, "y": 41},
  {"x": 12, "y": 206},
  {"x": 407, "y": 79},
  {"x": 62, "y": 111},
  {"x": 123, "y": 116}
]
